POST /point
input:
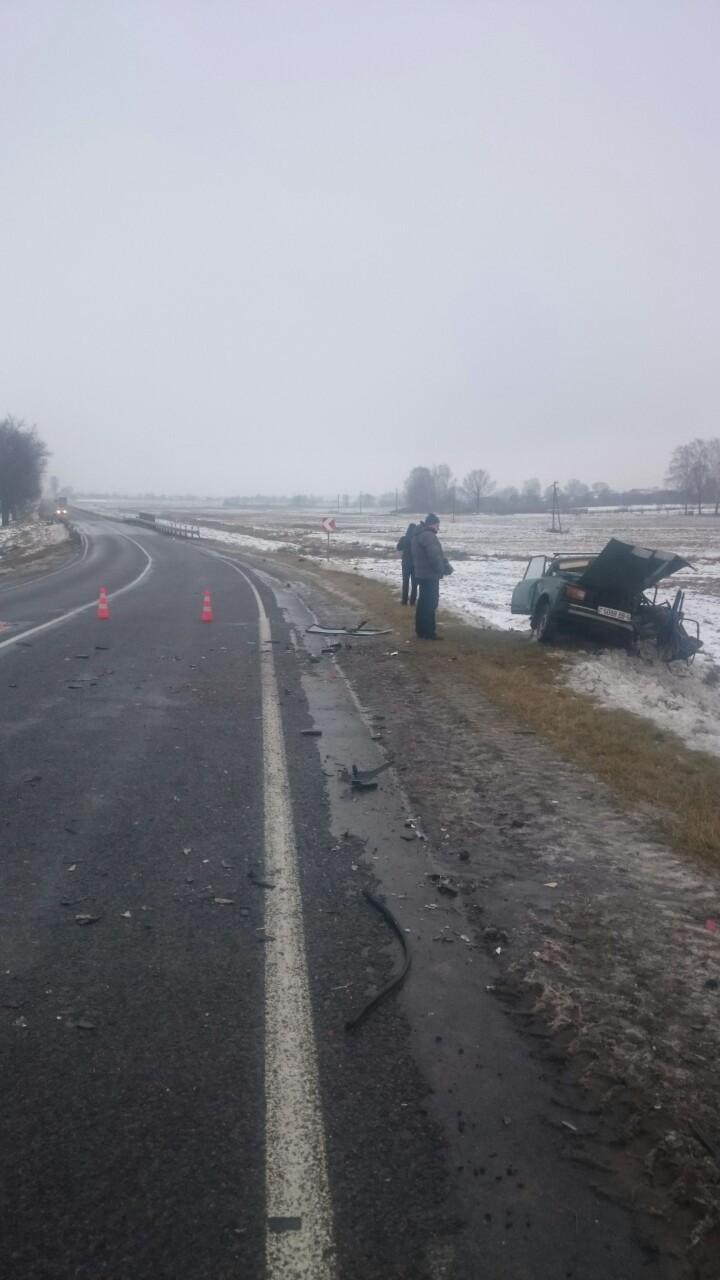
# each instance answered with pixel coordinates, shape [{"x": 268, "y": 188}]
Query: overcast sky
[{"x": 305, "y": 245}]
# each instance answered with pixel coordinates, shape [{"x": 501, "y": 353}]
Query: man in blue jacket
[{"x": 430, "y": 566}]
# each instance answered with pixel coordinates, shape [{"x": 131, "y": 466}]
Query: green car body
[{"x": 602, "y": 593}]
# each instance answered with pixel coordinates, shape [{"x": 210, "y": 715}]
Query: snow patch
[{"x": 674, "y": 697}]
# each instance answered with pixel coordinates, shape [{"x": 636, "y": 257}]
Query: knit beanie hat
[{"x": 432, "y": 519}]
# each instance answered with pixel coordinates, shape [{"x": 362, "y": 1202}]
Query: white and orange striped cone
[
  {"x": 103, "y": 610},
  {"x": 207, "y": 613}
]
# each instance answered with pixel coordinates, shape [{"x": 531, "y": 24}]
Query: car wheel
[{"x": 545, "y": 624}]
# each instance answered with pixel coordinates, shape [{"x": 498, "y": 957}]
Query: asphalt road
[{"x": 180, "y": 1098}]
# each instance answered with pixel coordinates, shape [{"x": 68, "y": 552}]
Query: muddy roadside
[{"x": 602, "y": 938}]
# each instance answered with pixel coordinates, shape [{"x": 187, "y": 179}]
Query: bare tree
[
  {"x": 699, "y": 470},
  {"x": 678, "y": 472},
  {"x": 713, "y": 447},
  {"x": 420, "y": 492},
  {"x": 689, "y": 472},
  {"x": 23, "y": 457},
  {"x": 476, "y": 486},
  {"x": 444, "y": 480},
  {"x": 577, "y": 491}
]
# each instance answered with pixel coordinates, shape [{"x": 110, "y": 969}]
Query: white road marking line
[
  {"x": 299, "y": 1241},
  {"x": 82, "y": 608}
]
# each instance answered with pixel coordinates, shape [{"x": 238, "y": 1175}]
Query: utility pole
[
  {"x": 453, "y": 504},
  {"x": 396, "y": 502}
]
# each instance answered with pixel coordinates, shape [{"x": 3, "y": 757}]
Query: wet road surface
[{"x": 181, "y": 1099}]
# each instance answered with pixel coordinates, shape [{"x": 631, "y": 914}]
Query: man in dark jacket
[
  {"x": 430, "y": 566},
  {"x": 409, "y": 582}
]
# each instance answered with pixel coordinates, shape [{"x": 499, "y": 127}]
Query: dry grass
[{"x": 643, "y": 764}]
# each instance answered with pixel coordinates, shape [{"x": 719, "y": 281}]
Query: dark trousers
[
  {"x": 409, "y": 585},
  {"x": 428, "y": 598}
]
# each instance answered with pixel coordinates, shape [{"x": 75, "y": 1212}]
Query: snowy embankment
[
  {"x": 28, "y": 536},
  {"x": 244, "y": 541}
]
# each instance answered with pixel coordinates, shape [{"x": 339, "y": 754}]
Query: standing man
[
  {"x": 430, "y": 566},
  {"x": 409, "y": 581}
]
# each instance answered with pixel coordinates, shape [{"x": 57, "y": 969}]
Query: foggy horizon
[{"x": 289, "y": 249}]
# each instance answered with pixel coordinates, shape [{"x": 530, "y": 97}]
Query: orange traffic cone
[
  {"x": 103, "y": 610},
  {"x": 207, "y": 613}
]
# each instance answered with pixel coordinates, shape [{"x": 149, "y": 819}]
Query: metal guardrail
[
  {"x": 175, "y": 530},
  {"x": 171, "y": 528}
]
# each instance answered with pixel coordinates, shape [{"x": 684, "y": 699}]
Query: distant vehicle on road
[
  {"x": 62, "y": 507},
  {"x": 604, "y": 594}
]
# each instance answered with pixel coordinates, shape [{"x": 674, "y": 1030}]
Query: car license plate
[{"x": 614, "y": 613}]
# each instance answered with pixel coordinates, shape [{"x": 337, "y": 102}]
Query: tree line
[
  {"x": 23, "y": 457},
  {"x": 436, "y": 488}
]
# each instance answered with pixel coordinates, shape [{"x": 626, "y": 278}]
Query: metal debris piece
[
  {"x": 224, "y": 902},
  {"x": 259, "y": 884},
  {"x": 311, "y": 733},
  {"x": 704, "y": 1141},
  {"x": 316, "y": 630},
  {"x": 364, "y": 775},
  {"x": 83, "y": 918},
  {"x": 353, "y": 1023}
]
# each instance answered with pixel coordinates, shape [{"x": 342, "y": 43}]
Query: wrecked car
[{"x": 607, "y": 595}]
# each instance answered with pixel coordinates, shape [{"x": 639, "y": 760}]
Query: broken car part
[
  {"x": 397, "y": 982},
  {"x": 316, "y": 630}
]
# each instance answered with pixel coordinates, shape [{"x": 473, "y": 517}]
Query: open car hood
[{"x": 631, "y": 569}]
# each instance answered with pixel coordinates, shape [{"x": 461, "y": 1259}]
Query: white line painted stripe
[
  {"x": 296, "y": 1180},
  {"x": 82, "y": 608}
]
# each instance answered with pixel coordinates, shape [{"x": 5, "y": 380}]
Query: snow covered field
[{"x": 490, "y": 554}]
